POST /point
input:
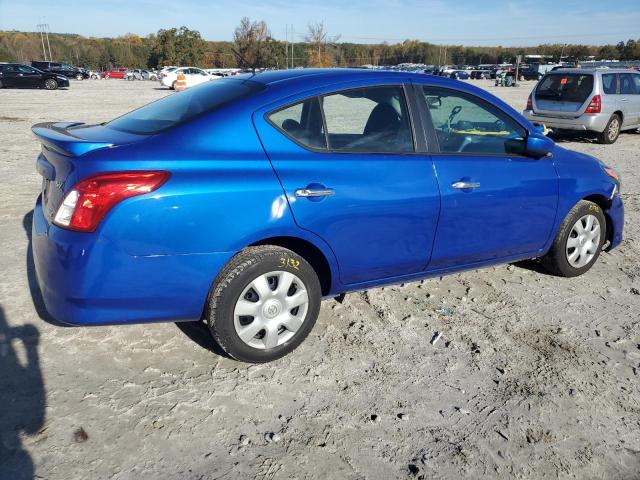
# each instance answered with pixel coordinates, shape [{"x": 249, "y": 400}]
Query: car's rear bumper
[
  {"x": 88, "y": 280},
  {"x": 584, "y": 123},
  {"x": 615, "y": 215}
]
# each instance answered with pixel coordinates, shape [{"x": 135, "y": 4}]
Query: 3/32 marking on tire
[{"x": 290, "y": 262}]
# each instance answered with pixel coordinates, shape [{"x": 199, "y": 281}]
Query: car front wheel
[
  {"x": 263, "y": 304},
  {"x": 50, "y": 84},
  {"x": 79, "y": 77},
  {"x": 578, "y": 242}
]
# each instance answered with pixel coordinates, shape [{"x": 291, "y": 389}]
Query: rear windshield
[
  {"x": 181, "y": 107},
  {"x": 566, "y": 87}
]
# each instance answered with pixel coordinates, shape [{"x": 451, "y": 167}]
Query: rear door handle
[
  {"x": 463, "y": 185},
  {"x": 313, "y": 192}
]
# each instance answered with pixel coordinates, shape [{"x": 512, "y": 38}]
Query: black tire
[
  {"x": 611, "y": 132},
  {"x": 555, "y": 261},
  {"x": 232, "y": 281},
  {"x": 1, "y": 84},
  {"x": 50, "y": 84},
  {"x": 79, "y": 77},
  {"x": 173, "y": 85}
]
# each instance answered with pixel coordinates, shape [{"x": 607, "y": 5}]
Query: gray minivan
[{"x": 604, "y": 101}]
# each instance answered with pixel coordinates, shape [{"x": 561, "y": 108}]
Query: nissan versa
[{"x": 247, "y": 200}]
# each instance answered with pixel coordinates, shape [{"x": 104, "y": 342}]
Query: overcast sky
[{"x": 467, "y": 22}]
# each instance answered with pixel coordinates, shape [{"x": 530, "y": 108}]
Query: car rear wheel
[
  {"x": 611, "y": 131},
  {"x": 263, "y": 304},
  {"x": 173, "y": 85},
  {"x": 50, "y": 84},
  {"x": 79, "y": 77},
  {"x": 579, "y": 241}
]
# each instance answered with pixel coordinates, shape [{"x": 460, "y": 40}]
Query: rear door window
[
  {"x": 372, "y": 119},
  {"x": 610, "y": 83},
  {"x": 565, "y": 87},
  {"x": 627, "y": 85}
]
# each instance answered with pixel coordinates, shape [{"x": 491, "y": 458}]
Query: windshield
[
  {"x": 181, "y": 107},
  {"x": 566, "y": 87}
]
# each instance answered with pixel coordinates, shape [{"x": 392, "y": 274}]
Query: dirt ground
[{"x": 533, "y": 377}]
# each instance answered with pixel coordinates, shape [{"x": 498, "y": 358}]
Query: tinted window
[
  {"x": 371, "y": 119},
  {"x": 467, "y": 124},
  {"x": 627, "y": 85},
  {"x": 571, "y": 87},
  {"x": 636, "y": 81},
  {"x": 184, "y": 106},
  {"x": 302, "y": 122},
  {"x": 609, "y": 83}
]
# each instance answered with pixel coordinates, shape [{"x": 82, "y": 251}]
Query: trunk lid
[{"x": 63, "y": 146}]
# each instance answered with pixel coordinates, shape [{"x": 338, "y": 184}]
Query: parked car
[
  {"x": 193, "y": 76},
  {"x": 245, "y": 201},
  {"x": 605, "y": 102},
  {"x": 16, "y": 75},
  {"x": 115, "y": 73},
  {"x": 64, "y": 69},
  {"x": 459, "y": 75},
  {"x": 140, "y": 74},
  {"x": 480, "y": 74},
  {"x": 529, "y": 74}
]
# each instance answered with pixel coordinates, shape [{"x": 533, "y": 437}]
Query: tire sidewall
[
  {"x": 604, "y": 136},
  {"x": 226, "y": 293},
  {"x": 48, "y": 82},
  {"x": 584, "y": 208}
]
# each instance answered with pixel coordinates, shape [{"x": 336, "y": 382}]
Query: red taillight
[
  {"x": 595, "y": 105},
  {"x": 90, "y": 199},
  {"x": 529, "y": 103}
]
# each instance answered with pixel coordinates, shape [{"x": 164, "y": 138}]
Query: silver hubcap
[
  {"x": 583, "y": 241},
  {"x": 271, "y": 309},
  {"x": 614, "y": 127}
]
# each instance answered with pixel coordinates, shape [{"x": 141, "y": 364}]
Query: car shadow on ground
[
  {"x": 34, "y": 288},
  {"x": 534, "y": 266},
  {"x": 198, "y": 332},
  {"x": 580, "y": 137},
  {"x": 22, "y": 397}
]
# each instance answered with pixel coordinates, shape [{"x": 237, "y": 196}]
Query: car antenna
[{"x": 244, "y": 61}]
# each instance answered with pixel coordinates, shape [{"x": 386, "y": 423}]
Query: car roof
[
  {"x": 270, "y": 77},
  {"x": 592, "y": 70}
]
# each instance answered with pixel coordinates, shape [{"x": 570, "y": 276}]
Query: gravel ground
[{"x": 533, "y": 377}]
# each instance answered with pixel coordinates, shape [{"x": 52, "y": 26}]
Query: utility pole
[
  {"x": 286, "y": 46},
  {"x": 292, "y": 42},
  {"x": 41, "y": 30},
  {"x": 48, "y": 44}
]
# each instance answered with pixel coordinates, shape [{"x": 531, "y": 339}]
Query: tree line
[{"x": 254, "y": 46}]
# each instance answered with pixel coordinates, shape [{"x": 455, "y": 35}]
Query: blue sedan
[{"x": 245, "y": 201}]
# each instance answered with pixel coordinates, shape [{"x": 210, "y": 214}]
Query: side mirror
[
  {"x": 434, "y": 102},
  {"x": 538, "y": 145}
]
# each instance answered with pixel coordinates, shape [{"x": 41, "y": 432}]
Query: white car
[{"x": 192, "y": 75}]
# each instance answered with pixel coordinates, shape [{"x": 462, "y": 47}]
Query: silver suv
[{"x": 605, "y": 101}]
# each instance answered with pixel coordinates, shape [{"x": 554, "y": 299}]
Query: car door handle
[
  {"x": 312, "y": 192},
  {"x": 463, "y": 185}
]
